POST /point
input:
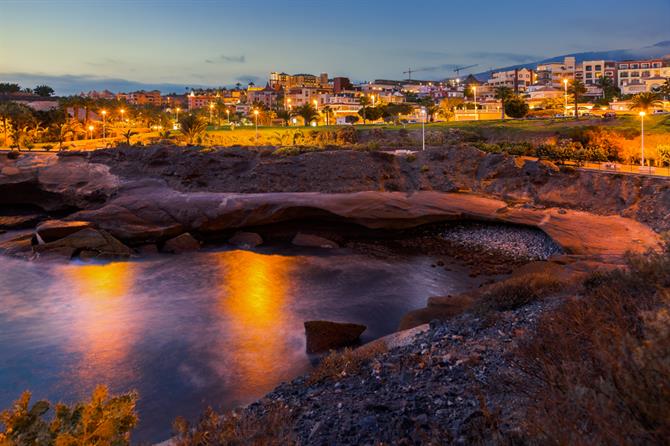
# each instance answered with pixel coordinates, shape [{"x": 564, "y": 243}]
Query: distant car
[
  {"x": 609, "y": 115},
  {"x": 660, "y": 112}
]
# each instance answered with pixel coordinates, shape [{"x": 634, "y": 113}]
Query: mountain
[{"x": 660, "y": 49}]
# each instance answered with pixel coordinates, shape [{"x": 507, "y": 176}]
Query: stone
[
  {"x": 326, "y": 335},
  {"x": 18, "y": 246},
  {"x": 182, "y": 243},
  {"x": 148, "y": 249},
  {"x": 97, "y": 243},
  {"x": 243, "y": 239},
  {"x": 52, "y": 230},
  {"x": 313, "y": 241},
  {"x": 19, "y": 221}
]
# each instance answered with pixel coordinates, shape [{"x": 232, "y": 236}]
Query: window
[
  {"x": 644, "y": 65},
  {"x": 588, "y": 68},
  {"x": 589, "y": 75},
  {"x": 599, "y": 67},
  {"x": 623, "y": 66},
  {"x": 645, "y": 74},
  {"x": 623, "y": 74},
  {"x": 634, "y": 66},
  {"x": 589, "y": 82},
  {"x": 656, "y": 64},
  {"x": 634, "y": 74}
]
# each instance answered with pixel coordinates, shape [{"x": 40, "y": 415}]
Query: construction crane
[
  {"x": 409, "y": 73},
  {"x": 459, "y": 69}
]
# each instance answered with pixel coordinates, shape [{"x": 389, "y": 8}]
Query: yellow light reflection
[
  {"x": 103, "y": 319},
  {"x": 254, "y": 300}
]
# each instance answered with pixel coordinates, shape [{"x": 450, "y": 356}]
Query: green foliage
[
  {"x": 6, "y": 87},
  {"x": 102, "y": 421},
  {"x": 307, "y": 112},
  {"x": 128, "y": 134},
  {"x": 43, "y": 90},
  {"x": 296, "y": 150},
  {"x": 645, "y": 101},
  {"x": 351, "y": 119},
  {"x": 511, "y": 148},
  {"x": 516, "y": 107},
  {"x": 192, "y": 127}
]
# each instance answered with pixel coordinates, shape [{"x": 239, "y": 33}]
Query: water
[{"x": 216, "y": 328}]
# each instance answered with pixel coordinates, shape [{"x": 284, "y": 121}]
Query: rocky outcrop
[
  {"x": 246, "y": 240},
  {"x": 313, "y": 241},
  {"x": 51, "y": 230},
  {"x": 325, "y": 335},
  {"x": 19, "y": 221},
  {"x": 182, "y": 243},
  {"x": 89, "y": 243}
]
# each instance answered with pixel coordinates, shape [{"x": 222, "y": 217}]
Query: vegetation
[
  {"x": 516, "y": 107},
  {"x": 645, "y": 101},
  {"x": 596, "y": 371},
  {"x": 504, "y": 94},
  {"x": 516, "y": 292},
  {"x": 577, "y": 89},
  {"x": 338, "y": 364},
  {"x": 192, "y": 127},
  {"x": 102, "y": 421},
  {"x": 307, "y": 112}
]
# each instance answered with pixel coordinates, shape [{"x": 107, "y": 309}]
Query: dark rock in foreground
[
  {"x": 325, "y": 335},
  {"x": 243, "y": 239},
  {"x": 182, "y": 243},
  {"x": 52, "y": 230},
  {"x": 313, "y": 241}
]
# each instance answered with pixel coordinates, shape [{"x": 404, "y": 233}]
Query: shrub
[
  {"x": 47, "y": 147},
  {"x": 596, "y": 371},
  {"x": 346, "y": 362},
  {"x": 273, "y": 426},
  {"x": 516, "y": 292},
  {"x": 103, "y": 421},
  {"x": 346, "y": 135},
  {"x": 293, "y": 150},
  {"x": 516, "y": 107}
]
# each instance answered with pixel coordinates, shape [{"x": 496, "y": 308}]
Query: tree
[
  {"x": 448, "y": 107},
  {"x": 364, "y": 101},
  {"x": 516, "y": 107},
  {"x": 351, "y": 119},
  {"x": 664, "y": 90},
  {"x": 577, "y": 90},
  {"x": 15, "y": 120},
  {"x": 284, "y": 115},
  {"x": 503, "y": 94},
  {"x": 6, "y": 87},
  {"x": 327, "y": 112},
  {"x": 307, "y": 112},
  {"x": 128, "y": 134},
  {"x": 645, "y": 101},
  {"x": 43, "y": 90},
  {"x": 192, "y": 127},
  {"x": 610, "y": 90}
]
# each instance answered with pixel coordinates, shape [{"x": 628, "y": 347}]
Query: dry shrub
[
  {"x": 274, "y": 426},
  {"x": 516, "y": 292},
  {"x": 338, "y": 364},
  {"x": 597, "y": 370}
]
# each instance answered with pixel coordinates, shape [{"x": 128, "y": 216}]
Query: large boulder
[
  {"x": 18, "y": 246},
  {"x": 19, "y": 221},
  {"x": 313, "y": 241},
  {"x": 325, "y": 335},
  {"x": 182, "y": 243},
  {"x": 246, "y": 239},
  {"x": 52, "y": 230},
  {"x": 93, "y": 243}
]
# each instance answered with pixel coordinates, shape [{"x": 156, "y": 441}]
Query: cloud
[
  {"x": 246, "y": 78},
  {"x": 231, "y": 59}
]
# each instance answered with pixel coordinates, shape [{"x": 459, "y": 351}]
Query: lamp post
[
  {"x": 423, "y": 128},
  {"x": 474, "y": 91},
  {"x": 90, "y": 132},
  {"x": 211, "y": 109},
  {"x": 122, "y": 111},
  {"x": 565, "y": 96},
  {"x": 642, "y": 114},
  {"x": 104, "y": 124}
]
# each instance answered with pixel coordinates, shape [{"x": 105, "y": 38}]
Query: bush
[
  {"x": 596, "y": 370},
  {"x": 516, "y": 107},
  {"x": 346, "y": 362},
  {"x": 346, "y": 135},
  {"x": 292, "y": 150},
  {"x": 273, "y": 426},
  {"x": 103, "y": 421},
  {"x": 517, "y": 292},
  {"x": 47, "y": 147}
]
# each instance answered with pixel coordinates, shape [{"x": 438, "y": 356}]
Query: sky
[{"x": 77, "y": 45}]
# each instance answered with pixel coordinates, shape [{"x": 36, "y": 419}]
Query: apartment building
[
  {"x": 592, "y": 70},
  {"x": 287, "y": 81},
  {"x": 637, "y": 76},
  {"x": 141, "y": 97},
  {"x": 267, "y": 96},
  {"x": 203, "y": 98},
  {"x": 552, "y": 74},
  {"x": 518, "y": 79}
]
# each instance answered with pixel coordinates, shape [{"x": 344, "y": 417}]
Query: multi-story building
[
  {"x": 288, "y": 81},
  {"x": 299, "y": 96},
  {"x": 518, "y": 79},
  {"x": 637, "y": 76},
  {"x": 204, "y": 98},
  {"x": 341, "y": 84},
  {"x": 141, "y": 97},
  {"x": 267, "y": 96},
  {"x": 592, "y": 70},
  {"x": 553, "y": 73}
]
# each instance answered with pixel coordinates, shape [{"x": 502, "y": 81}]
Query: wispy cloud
[{"x": 230, "y": 59}]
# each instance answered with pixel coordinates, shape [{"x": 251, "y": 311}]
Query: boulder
[
  {"x": 182, "y": 243},
  {"x": 52, "y": 230},
  {"x": 19, "y": 221},
  {"x": 313, "y": 241},
  {"x": 95, "y": 243},
  {"x": 325, "y": 335},
  {"x": 246, "y": 239},
  {"x": 18, "y": 246}
]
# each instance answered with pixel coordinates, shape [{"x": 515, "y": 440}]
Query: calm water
[{"x": 214, "y": 328}]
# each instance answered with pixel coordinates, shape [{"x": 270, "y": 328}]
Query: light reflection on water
[{"x": 212, "y": 328}]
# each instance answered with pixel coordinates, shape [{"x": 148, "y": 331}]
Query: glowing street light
[
  {"x": 122, "y": 111},
  {"x": 90, "y": 132},
  {"x": 104, "y": 123},
  {"x": 565, "y": 84},
  {"x": 372, "y": 97},
  {"x": 642, "y": 114},
  {"x": 211, "y": 109},
  {"x": 474, "y": 92},
  {"x": 256, "y": 116},
  {"x": 228, "y": 115}
]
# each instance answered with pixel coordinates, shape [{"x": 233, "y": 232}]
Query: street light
[
  {"x": 211, "y": 109},
  {"x": 423, "y": 128},
  {"x": 474, "y": 91},
  {"x": 122, "y": 111},
  {"x": 228, "y": 115},
  {"x": 642, "y": 114},
  {"x": 90, "y": 132},
  {"x": 565, "y": 111},
  {"x": 256, "y": 116},
  {"x": 104, "y": 124}
]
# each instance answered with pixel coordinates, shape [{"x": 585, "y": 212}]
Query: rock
[
  {"x": 19, "y": 221},
  {"x": 246, "y": 239},
  {"x": 325, "y": 335},
  {"x": 18, "y": 246},
  {"x": 182, "y": 243},
  {"x": 148, "y": 249},
  {"x": 93, "y": 242},
  {"x": 313, "y": 241},
  {"x": 51, "y": 230}
]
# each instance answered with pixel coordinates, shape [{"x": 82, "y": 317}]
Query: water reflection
[
  {"x": 103, "y": 320},
  {"x": 254, "y": 299}
]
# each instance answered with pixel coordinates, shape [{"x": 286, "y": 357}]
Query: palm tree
[
  {"x": 645, "y": 101},
  {"x": 664, "y": 89},
  {"x": 577, "y": 90},
  {"x": 608, "y": 87},
  {"x": 128, "y": 134},
  {"x": 307, "y": 112},
  {"x": 68, "y": 129},
  {"x": 502, "y": 94},
  {"x": 284, "y": 115},
  {"x": 327, "y": 111},
  {"x": 192, "y": 127},
  {"x": 364, "y": 101}
]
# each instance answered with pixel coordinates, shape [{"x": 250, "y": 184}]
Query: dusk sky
[{"x": 77, "y": 44}]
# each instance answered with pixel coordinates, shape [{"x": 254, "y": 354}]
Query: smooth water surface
[{"x": 216, "y": 328}]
